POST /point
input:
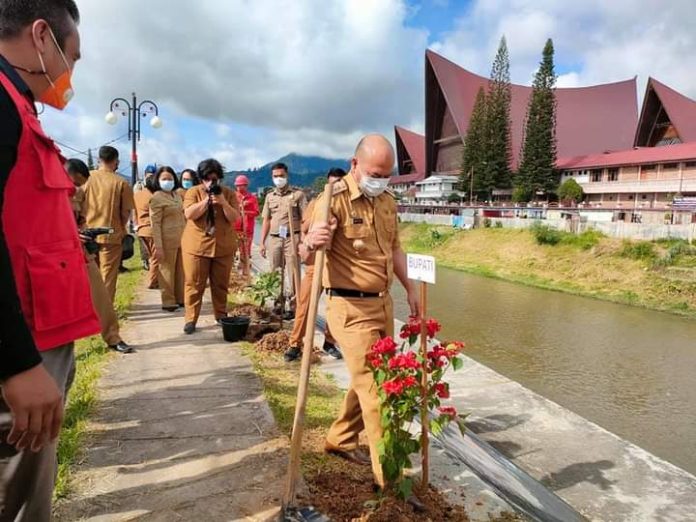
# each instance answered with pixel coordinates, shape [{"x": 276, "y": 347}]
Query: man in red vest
[
  {"x": 45, "y": 301},
  {"x": 249, "y": 206}
]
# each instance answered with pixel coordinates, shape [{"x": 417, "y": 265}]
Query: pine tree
[
  {"x": 538, "y": 162},
  {"x": 498, "y": 147},
  {"x": 474, "y": 155},
  {"x": 90, "y": 160}
]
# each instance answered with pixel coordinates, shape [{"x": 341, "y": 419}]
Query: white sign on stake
[{"x": 421, "y": 268}]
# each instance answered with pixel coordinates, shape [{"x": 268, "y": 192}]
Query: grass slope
[{"x": 657, "y": 275}]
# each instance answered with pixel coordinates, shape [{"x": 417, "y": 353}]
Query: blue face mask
[
  {"x": 187, "y": 183},
  {"x": 167, "y": 185}
]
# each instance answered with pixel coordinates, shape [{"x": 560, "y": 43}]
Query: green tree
[
  {"x": 318, "y": 184},
  {"x": 498, "y": 142},
  {"x": 571, "y": 191},
  {"x": 474, "y": 154},
  {"x": 538, "y": 164},
  {"x": 90, "y": 160}
]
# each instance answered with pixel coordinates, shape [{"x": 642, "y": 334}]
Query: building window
[
  {"x": 645, "y": 196},
  {"x": 613, "y": 175},
  {"x": 690, "y": 164},
  {"x": 596, "y": 175},
  {"x": 670, "y": 166},
  {"x": 649, "y": 168}
]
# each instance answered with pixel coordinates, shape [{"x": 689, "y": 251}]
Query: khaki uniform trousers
[
  {"x": 171, "y": 277},
  {"x": 357, "y": 323},
  {"x": 280, "y": 248},
  {"x": 109, "y": 259},
  {"x": 197, "y": 271},
  {"x": 299, "y": 328},
  {"x": 103, "y": 305},
  {"x": 27, "y": 478},
  {"x": 152, "y": 275}
]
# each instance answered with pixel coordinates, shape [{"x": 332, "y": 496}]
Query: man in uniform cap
[
  {"x": 363, "y": 254},
  {"x": 276, "y": 222}
]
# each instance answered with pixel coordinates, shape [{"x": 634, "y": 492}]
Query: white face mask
[
  {"x": 280, "y": 182},
  {"x": 373, "y": 187},
  {"x": 167, "y": 185}
]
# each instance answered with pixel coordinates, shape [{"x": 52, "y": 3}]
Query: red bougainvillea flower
[
  {"x": 384, "y": 346},
  {"x": 450, "y": 411},
  {"x": 393, "y": 387},
  {"x": 442, "y": 390},
  {"x": 375, "y": 361},
  {"x": 433, "y": 327},
  {"x": 410, "y": 329},
  {"x": 404, "y": 361},
  {"x": 409, "y": 382},
  {"x": 455, "y": 345}
]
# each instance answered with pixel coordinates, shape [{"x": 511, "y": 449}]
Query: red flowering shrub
[{"x": 398, "y": 372}]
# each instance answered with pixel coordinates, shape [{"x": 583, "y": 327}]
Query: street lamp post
[{"x": 135, "y": 112}]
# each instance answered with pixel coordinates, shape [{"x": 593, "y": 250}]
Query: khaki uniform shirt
[
  {"x": 195, "y": 241},
  {"x": 276, "y": 205},
  {"x": 107, "y": 197},
  {"x": 76, "y": 202},
  {"x": 142, "y": 212},
  {"x": 168, "y": 221},
  {"x": 360, "y": 256}
]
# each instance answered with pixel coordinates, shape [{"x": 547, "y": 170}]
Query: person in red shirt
[
  {"x": 249, "y": 206},
  {"x": 45, "y": 301}
]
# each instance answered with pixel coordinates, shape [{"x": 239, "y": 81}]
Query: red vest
[{"x": 41, "y": 234}]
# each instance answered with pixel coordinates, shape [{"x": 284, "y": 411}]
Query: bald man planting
[{"x": 363, "y": 254}]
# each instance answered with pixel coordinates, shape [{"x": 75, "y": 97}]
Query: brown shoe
[{"x": 356, "y": 456}]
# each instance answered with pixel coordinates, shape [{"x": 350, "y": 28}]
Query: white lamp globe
[
  {"x": 111, "y": 118},
  {"x": 156, "y": 122}
]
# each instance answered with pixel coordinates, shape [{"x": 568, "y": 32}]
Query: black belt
[
  {"x": 343, "y": 292},
  {"x": 278, "y": 235}
]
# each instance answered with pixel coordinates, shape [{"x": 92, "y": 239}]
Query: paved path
[{"x": 182, "y": 433}]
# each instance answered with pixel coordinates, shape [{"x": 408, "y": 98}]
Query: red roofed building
[
  {"x": 589, "y": 119},
  {"x": 410, "y": 153}
]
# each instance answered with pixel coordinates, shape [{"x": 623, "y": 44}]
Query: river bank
[{"x": 656, "y": 275}]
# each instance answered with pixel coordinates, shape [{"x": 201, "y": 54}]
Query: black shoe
[
  {"x": 219, "y": 320},
  {"x": 181, "y": 305},
  {"x": 332, "y": 350},
  {"x": 170, "y": 308},
  {"x": 121, "y": 347},
  {"x": 189, "y": 328},
  {"x": 292, "y": 354},
  {"x": 289, "y": 315}
]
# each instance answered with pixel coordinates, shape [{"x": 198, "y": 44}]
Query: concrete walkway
[{"x": 182, "y": 432}]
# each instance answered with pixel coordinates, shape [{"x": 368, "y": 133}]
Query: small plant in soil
[
  {"x": 404, "y": 390},
  {"x": 266, "y": 286}
]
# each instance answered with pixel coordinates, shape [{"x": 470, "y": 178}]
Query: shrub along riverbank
[{"x": 660, "y": 275}]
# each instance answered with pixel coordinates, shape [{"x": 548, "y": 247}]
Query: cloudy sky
[{"x": 248, "y": 81}]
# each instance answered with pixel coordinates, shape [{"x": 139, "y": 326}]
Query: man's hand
[
  {"x": 36, "y": 405},
  {"x": 262, "y": 251},
  {"x": 217, "y": 200},
  {"x": 413, "y": 301},
  {"x": 321, "y": 233},
  {"x": 84, "y": 238}
]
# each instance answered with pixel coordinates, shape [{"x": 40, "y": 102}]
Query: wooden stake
[
  {"x": 293, "y": 245},
  {"x": 298, "y": 424},
  {"x": 425, "y": 441}
]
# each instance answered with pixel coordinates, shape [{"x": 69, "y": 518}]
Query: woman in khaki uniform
[
  {"x": 143, "y": 226},
  {"x": 168, "y": 222},
  {"x": 209, "y": 242},
  {"x": 189, "y": 179}
]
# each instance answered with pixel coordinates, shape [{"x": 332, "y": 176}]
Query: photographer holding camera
[{"x": 209, "y": 242}]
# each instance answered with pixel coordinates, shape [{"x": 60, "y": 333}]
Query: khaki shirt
[
  {"x": 76, "y": 202},
  {"x": 142, "y": 200},
  {"x": 107, "y": 198},
  {"x": 195, "y": 241},
  {"x": 168, "y": 221},
  {"x": 360, "y": 256},
  {"x": 276, "y": 206}
]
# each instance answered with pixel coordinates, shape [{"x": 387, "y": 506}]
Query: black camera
[
  {"x": 215, "y": 189},
  {"x": 92, "y": 246}
]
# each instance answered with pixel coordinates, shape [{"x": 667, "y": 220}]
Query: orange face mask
[{"x": 60, "y": 91}]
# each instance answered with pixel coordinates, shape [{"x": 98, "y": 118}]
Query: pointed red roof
[
  {"x": 680, "y": 110},
  {"x": 589, "y": 119},
  {"x": 409, "y": 146}
]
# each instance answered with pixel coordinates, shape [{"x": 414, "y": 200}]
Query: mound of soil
[
  {"x": 256, "y": 313},
  {"x": 237, "y": 282},
  {"x": 276, "y": 342}
]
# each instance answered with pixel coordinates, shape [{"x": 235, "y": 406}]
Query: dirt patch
[
  {"x": 276, "y": 342},
  {"x": 256, "y": 313},
  {"x": 357, "y": 501},
  {"x": 238, "y": 283}
]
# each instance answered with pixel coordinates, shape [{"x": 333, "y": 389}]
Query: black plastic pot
[{"x": 235, "y": 328}]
